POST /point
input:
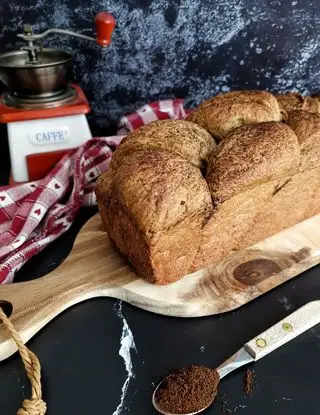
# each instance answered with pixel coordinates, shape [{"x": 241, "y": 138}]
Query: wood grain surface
[{"x": 95, "y": 269}]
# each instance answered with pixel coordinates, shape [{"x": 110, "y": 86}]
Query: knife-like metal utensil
[
  {"x": 279, "y": 334},
  {"x": 240, "y": 358}
]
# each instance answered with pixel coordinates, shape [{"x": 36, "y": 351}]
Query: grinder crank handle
[
  {"x": 105, "y": 24},
  {"x": 284, "y": 331}
]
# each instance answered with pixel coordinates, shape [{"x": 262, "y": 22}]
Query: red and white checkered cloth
[{"x": 34, "y": 214}]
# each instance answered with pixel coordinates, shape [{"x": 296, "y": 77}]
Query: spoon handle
[{"x": 284, "y": 331}]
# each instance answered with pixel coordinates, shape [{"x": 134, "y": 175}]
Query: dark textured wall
[{"x": 182, "y": 48}]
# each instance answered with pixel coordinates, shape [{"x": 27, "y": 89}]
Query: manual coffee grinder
[{"x": 44, "y": 111}]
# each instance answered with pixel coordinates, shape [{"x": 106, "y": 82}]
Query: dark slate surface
[{"x": 190, "y": 48}]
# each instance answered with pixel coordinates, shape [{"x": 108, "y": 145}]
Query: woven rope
[{"x": 35, "y": 405}]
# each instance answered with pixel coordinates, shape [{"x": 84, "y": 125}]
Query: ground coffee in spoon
[{"x": 188, "y": 390}]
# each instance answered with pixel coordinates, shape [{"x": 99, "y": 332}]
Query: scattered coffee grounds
[
  {"x": 248, "y": 382},
  {"x": 225, "y": 408},
  {"x": 188, "y": 390}
]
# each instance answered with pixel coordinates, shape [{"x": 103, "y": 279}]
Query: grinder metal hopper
[
  {"x": 40, "y": 75},
  {"x": 44, "y": 111}
]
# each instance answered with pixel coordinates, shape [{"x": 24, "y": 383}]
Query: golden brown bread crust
[
  {"x": 254, "y": 215},
  {"x": 292, "y": 101},
  {"x": 232, "y": 221},
  {"x": 158, "y": 210},
  {"x": 306, "y": 126},
  {"x": 160, "y": 189},
  {"x": 223, "y": 113},
  {"x": 159, "y": 201},
  {"x": 296, "y": 199},
  {"x": 185, "y": 139},
  {"x": 179, "y": 137},
  {"x": 252, "y": 155}
]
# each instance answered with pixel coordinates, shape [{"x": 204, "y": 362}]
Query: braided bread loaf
[{"x": 173, "y": 201}]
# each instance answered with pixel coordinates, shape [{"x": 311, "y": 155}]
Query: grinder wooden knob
[{"x": 105, "y": 24}]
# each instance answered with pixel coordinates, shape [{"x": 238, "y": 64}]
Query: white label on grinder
[{"x": 44, "y": 137}]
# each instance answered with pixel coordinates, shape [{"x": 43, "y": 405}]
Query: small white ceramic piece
[{"x": 43, "y": 136}]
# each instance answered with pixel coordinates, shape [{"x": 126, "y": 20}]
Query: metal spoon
[{"x": 279, "y": 334}]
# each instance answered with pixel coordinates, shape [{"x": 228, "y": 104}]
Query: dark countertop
[{"x": 84, "y": 374}]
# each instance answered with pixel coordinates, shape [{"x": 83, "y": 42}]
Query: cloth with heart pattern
[{"x": 34, "y": 214}]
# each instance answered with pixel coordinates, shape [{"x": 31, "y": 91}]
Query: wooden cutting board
[{"x": 94, "y": 269}]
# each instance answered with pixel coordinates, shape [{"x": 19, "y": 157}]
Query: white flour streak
[
  {"x": 126, "y": 344},
  {"x": 286, "y": 304}
]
